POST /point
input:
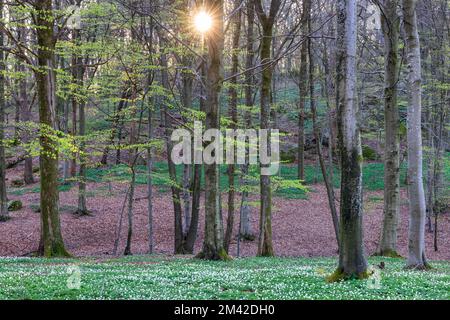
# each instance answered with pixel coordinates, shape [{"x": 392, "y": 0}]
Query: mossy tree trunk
[
  {"x": 417, "y": 214},
  {"x": 213, "y": 248},
  {"x": 234, "y": 121},
  {"x": 51, "y": 243},
  {"x": 390, "y": 23},
  {"x": 265, "y": 246},
  {"x": 3, "y": 199},
  {"x": 352, "y": 260}
]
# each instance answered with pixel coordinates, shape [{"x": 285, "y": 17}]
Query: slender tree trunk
[
  {"x": 127, "y": 251},
  {"x": 187, "y": 168},
  {"x": 417, "y": 215},
  {"x": 303, "y": 89},
  {"x": 390, "y": 26},
  {"x": 234, "y": 121},
  {"x": 149, "y": 178},
  {"x": 25, "y": 109},
  {"x": 245, "y": 226},
  {"x": 3, "y": 199},
  {"x": 176, "y": 198},
  {"x": 265, "y": 246},
  {"x": 191, "y": 236},
  {"x": 213, "y": 240},
  {"x": 352, "y": 260},
  {"x": 51, "y": 243}
]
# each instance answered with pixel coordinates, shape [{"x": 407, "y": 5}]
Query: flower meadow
[{"x": 163, "y": 277}]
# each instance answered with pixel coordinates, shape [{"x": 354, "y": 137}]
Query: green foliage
[
  {"x": 15, "y": 205},
  {"x": 369, "y": 153},
  {"x": 162, "y": 277}
]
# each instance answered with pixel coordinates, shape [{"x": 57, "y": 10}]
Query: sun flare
[{"x": 203, "y": 21}]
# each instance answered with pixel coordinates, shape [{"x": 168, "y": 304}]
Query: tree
[
  {"x": 244, "y": 215},
  {"x": 352, "y": 260},
  {"x": 51, "y": 243},
  {"x": 390, "y": 23},
  {"x": 234, "y": 119},
  {"x": 417, "y": 215},
  {"x": 213, "y": 248},
  {"x": 265, "y": 246},
  {"x": 3, "y": 199},
  {"x": 303, "y": 89}
]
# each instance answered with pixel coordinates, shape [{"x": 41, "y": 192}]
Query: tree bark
[
  {"x": 245, "y": 226},
  {"x": 234, "y": 121},
  {"x": 213, "y": 239},
  {"x": 51, "y": 243},
  {"x": 352, "y": 260},
  {"x": 265, "y": 246},
  {"x": 25, "y": 108},
  {"x": 390, "y": 23},
  {"x": 417, "y": 214},
  {"x": 303, "y": 89},
  {"x": 3, "y": 199}
]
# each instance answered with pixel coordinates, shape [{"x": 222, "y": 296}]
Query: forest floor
[
  {"x": 302, "y": 225},
  {"x": 160, "y": 277}
]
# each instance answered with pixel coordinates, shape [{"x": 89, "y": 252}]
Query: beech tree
[
  {"x": 51, "y": 243},
  {"x": 213, "y": 246},
  {"x": 417, "y": 215},
  {"x": 352, "y": 260},
  {"x": 3, "y": 199},
  {"x": 390, "y": 23},
  {"x": 267, "y": 21}
]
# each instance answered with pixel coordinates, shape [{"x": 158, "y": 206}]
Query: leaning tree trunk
[
  {"x": 390, "y": 23},
  {"x": 51, "y": 243},
  {"x": 352, "y": 260},
  {"x": 417, "y": 214},
  {"x": 213, "y": 240},
  {"x": 3, "y": 199}
]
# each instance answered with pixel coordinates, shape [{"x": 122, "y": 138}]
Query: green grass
[
  {"x": 160, "y": 277},
  {"x": 372, "y": 177}
]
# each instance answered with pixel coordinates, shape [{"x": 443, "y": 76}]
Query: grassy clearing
[{"x": 161, "y": 277}]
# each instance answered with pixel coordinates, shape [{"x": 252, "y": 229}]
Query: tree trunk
[
  {"x": 390, "y": 26},
  {"x": 178, "y": 215},
  {"x": 149, "y": 178},
  {"x": 213, "y": 240},
  {"x": 265, "y": 246},
  {"x": 51, "y": 243},
  {"x": 25, "y": 109},
  {"x": 3, "y": 199},
  {"x": 244, "y": 216},
  {"x": 303, "y": 89},
  {"x": 417, "y": 215},
  {"x": 127, "y": 251},
  {"x": 234, "y": 121},
  {"x": 352, "y": 260}
]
